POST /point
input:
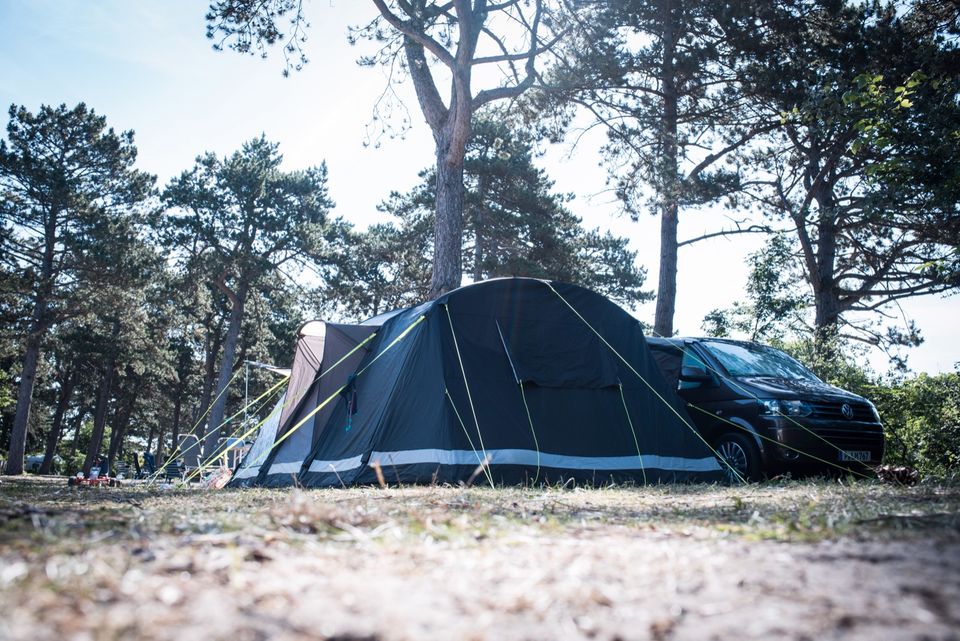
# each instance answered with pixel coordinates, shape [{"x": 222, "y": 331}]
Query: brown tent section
[
  {"x": 321, "y": 348},
  {"x": 306, "y": 365}
]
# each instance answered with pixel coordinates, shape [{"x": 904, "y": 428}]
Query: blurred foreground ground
[{"x": 795, "y": 560}]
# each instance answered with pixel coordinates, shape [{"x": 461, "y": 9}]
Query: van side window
[
  {"x": 668, "y": 361},
  {"x": 692, "y": 360}
]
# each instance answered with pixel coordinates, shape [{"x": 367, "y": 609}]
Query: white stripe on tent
[
  {"x": 343, "y": 465},
  {"x": 526, "y": 457},
  {"x": 247, "y": 472},
  {"x": 286, "y": 468}
]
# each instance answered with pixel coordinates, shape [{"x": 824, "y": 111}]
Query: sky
[{"x": 148, "y": 66}]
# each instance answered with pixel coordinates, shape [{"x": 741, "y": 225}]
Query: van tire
[{"x": 740, "y": 452}]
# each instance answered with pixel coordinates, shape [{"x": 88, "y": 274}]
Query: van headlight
[
  {"x": 775, "y": 407},
  {"x": 876, "y": 414}
]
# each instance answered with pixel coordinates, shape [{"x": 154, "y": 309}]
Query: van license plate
[{"x": 862, "y": 456}]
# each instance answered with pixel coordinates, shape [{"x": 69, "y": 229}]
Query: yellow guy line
[
  {"x": 176, "y": 448},
  {"x": 634, "y": 432},
  {"x": 642, "y": 379},
  {"x": 217, "y": 454},
  {"x": 523, "y": 396},
  {"x": 469, "y": 397},
  {"x": 776, "y": 442},
  {"x": 757, "y": 398},
  {"x": 287, "y": 402},
  {"x": 340, "y": 389},
  {"x": 203, "y": 437}
]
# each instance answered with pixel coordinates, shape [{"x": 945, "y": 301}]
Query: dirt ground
[{"x": 791, "y": 560}]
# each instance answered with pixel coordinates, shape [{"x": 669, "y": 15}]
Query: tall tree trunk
[
  {"x": 18, "y": 433},
  {"x": 448, "y": 231},
  {"x": 100, "y": 415},
  {"x": 150, "y": 435},
  {"x": 237, "y": 299},
  {"x": 107, "y": 372},
  {"x": 826, "y": 296},
  {"x": 28, "y": 373},
  {"x": 212, "y": 348},
  {"x": 56, "y": 428},
  {"x": 158, "y": 452},
  {"x": 176, "y": 417},
  {"x": 667, "y": 285},
  {"x": 77, "y": 426},
  {"x": 120, "y": 427}
]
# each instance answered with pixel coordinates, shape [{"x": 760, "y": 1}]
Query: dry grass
[{"x": 790, "y": 560}]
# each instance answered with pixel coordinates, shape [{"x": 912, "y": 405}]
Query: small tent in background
[{"x": 530, "y": 380}]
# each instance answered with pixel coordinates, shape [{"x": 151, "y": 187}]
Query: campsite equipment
[
  {"x": 94, "y": 480},
  {"x": 765, "y": 413},
  {"x": 518, "y": 379},
  {"x": 189, "y": 448}
]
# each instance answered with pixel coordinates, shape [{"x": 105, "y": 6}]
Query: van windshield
[{"x": 751, "y": 359}]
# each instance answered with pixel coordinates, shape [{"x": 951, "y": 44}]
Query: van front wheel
[{"x": 739, "y": 456}]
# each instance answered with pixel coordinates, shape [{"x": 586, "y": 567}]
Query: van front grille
[{"x": 833, "y": 411}]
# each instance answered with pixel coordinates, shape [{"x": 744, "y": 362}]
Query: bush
[
  {"x": 72, "y": 463},
  {"x": 921, "y": 417}
]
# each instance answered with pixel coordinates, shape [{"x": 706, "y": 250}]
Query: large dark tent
[{"x": 511, "y": 380}]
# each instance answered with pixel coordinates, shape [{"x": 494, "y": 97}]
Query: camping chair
[
  {"x": 173, "y": 471},
  {"x": 121, "y": 470},
  {"x": 228, "y": 451},
  {"x": 189, "y": 449}
]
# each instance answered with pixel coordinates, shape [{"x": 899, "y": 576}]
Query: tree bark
[
  {"x": 667, "y": 286},
  {"x": 77, "y": 426},
  {"x": 153, "y": 431},
  {"x": 448, "y": 230},
  {"x": 237, "y": 299},
  {"x": 158, "y": 452},
  {"x": 826, "y": 298},
  {"x": 18, "y": 433},
  {"x": 120, "y": 427},
  {"x": 56, "y": 428},
  {"x": 212, "y": 347},
  {"x": 100, "y": 415},
  {"x": 38, "y": 324}
]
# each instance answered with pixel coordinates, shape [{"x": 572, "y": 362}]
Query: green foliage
[
  {"x": 513, "y": 226},
  {"x": 70, "y": 202},
  {"x": 6, "y": 391},
  {"x": 921, "y": 417},
  {"x": 863, "y": 167},
  {"x": 774, "y": 297}
]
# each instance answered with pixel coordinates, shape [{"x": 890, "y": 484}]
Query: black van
[{"x": 765, "y": 413}]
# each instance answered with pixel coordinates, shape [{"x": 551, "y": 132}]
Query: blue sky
[{"x": 147, "y": 66}]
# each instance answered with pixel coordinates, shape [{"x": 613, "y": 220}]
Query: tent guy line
[
  {"x": 507, "y": 332},
  {"x": 645, "y": 382}
]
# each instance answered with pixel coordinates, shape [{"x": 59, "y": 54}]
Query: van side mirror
[{"x": 695, "y": 374}]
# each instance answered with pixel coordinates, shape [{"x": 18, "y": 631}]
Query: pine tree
[{"x": 67, "y": 185}]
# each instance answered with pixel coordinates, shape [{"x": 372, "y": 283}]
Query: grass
[
  {"x": 400, "y": 562},
  {"x": 46, "y": 512}
]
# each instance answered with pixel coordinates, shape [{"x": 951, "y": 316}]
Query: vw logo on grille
[{"x": 847, "y": 411}]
